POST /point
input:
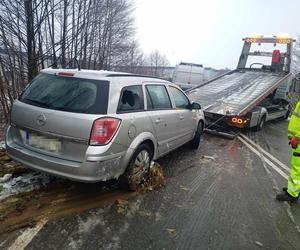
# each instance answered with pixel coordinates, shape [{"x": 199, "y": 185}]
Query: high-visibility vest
[{"x": 294, "y": 125}]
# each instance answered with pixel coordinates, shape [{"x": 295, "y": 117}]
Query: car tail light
[{"x": 104, "y": 129}]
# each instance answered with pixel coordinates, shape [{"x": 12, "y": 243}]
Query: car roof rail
[{"x": 134, "y": 75}]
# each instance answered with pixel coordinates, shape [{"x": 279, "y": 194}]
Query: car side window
[
  {"x": 180, "y": 99},
  {"x": 158, "y": 97},
  {"x": 131, "y": 99}
]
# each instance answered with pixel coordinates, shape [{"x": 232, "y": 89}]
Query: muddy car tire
[
  {"x": 195, "y": 142},
  {"x": 138, "y": 168}
]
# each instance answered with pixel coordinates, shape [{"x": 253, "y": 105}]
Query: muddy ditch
[
  {"x": 28, "y": 196},
  {"x": 26, "y": 209}
]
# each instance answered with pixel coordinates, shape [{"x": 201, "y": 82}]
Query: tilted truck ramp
[{"x": 236, "y": 92}]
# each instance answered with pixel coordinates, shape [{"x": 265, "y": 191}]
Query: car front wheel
[{"x": 195, "y": 142}]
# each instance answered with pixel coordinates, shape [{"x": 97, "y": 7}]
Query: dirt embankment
[
  {"x": 2, "y": 126},
  {"x": 7, "y": 166}
]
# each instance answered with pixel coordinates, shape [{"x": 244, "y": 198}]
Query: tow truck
[{"x": 255, "y": 92}]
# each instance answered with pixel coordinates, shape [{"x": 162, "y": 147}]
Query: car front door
[
  {"x": 163, "y": 117},
  {"x": 185, "y": 120}
]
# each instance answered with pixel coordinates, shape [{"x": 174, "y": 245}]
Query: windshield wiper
[{"x": 40, "y": 103}]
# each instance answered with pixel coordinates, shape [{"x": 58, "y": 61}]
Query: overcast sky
[{"x": 210, "y": 32}]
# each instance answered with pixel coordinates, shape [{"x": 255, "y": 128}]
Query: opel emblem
[{"x": 41, "y": 120}]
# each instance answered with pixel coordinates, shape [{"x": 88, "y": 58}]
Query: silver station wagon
[{"x": 94, "y": 126}]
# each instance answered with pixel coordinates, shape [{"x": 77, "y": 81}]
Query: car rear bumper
[{"x": 105, "y": 168}]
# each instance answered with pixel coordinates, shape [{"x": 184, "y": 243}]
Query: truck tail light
[
  {"x": 104, "y": 129},
  {"x": 238, "y": 121}
]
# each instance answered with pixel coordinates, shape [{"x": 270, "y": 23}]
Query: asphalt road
[{"x": 221, "y": 196}]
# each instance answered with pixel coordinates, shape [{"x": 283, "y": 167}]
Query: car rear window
[{"x": 70, "y": 94}]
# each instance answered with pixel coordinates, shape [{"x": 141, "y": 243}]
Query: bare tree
[
  {"x": 157, "y": 62},
  {"x": 34, "y": 34}
]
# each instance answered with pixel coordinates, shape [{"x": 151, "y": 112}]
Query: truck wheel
[
  {"x": 261, "y": 124},
  {"x": 195, "y": 142},
  {"x": 139, "y": 167},
  {"x": 287, "y": 114}
]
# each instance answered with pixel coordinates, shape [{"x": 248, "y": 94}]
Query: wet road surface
[{"x": 221, "y": 196}]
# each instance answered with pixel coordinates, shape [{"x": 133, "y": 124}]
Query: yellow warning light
[
  {"x": 256, "y": 36},
  {"x": 283, "y": 36}
]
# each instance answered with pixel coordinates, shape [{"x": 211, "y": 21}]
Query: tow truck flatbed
[{"x": 236, "y": 92}]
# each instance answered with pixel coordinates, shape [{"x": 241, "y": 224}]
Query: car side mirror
[{"x": 195, "y": 105}]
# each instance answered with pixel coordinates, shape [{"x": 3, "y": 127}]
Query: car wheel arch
[
  {"x": 202, "y": 124},
  {"x": 147, "y": 138}
]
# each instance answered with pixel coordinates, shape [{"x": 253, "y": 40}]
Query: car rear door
[{"x": 163, "y": 116}]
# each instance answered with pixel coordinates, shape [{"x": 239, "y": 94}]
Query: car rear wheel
[
  {"x": 139, "y": 167},
  {"x": 195, "y": 142}
]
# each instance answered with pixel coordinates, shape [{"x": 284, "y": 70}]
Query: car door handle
[
  {"x": 181, "y": 117},
  {"x": 158, "y": 121}
]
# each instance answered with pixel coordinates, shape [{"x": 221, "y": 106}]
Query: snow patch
[
  {"x": 74, "y": 244},
  {"x": 2, "y": 145},
  {"x": 86, "y": 226},
  {"x": 5, "y": 178},
  {"x": 24, "y": 183}
]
